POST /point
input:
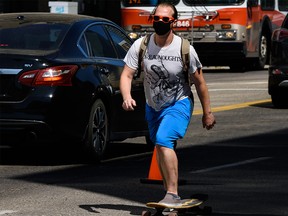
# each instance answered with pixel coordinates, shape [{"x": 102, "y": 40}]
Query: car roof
[{"x": 12, "y": 19}]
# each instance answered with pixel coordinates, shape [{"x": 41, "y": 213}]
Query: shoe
[{"x": 171, "y": 200}]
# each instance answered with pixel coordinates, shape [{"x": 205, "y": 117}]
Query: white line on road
[
  {"x": 237, "y": 83},
  {"x": 232, "y": 165},
  {"x": 3, "y": 212}
]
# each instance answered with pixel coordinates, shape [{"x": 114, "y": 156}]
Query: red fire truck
[{"x": 234, "y": 33}]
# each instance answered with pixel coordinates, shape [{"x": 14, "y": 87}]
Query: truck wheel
[{"x": 263, "y": 51}]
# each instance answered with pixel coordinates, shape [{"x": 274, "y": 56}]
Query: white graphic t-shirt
[{"x": 164, "y": 79}]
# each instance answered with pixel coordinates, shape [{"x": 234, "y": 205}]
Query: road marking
[
  {"x": 3, "y": 212},
  {"x": 237, "y": 83},
  {"x": 233, "y": 106},
  {"x": 126, "y": 157},
  {"x": 254, "y": 160}
]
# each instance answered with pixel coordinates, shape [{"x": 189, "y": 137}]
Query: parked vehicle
[
  {"x": 278, "y": 70},
  {"x": 59, "y": 77},
  {"x": 234, "y": 33}
]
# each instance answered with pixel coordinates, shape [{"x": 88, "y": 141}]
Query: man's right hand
[{"x": 129, "y": 104}]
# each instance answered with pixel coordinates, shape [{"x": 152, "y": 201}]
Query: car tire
[{"x": 97, "y": 135}]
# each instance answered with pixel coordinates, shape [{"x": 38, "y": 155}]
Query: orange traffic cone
[{"x": 154, "y": 175}]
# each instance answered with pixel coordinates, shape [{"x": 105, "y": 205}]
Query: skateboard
[{"x": 188, "y": 207}]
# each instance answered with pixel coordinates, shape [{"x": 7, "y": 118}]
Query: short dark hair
[{"x": 167, "y": 4}]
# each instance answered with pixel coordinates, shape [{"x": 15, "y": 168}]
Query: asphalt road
[{"x": 241, "y": 164}]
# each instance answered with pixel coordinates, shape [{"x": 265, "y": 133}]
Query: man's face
[{"x": 162, "y": 20}]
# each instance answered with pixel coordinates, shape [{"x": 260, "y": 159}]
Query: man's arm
[
  {"x": 125, "y": 88},
  {"x": 208, "y": 119}
]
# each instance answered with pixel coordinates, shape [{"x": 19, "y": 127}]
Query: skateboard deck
[
  {"x": 186, "y": 203},
  {"x": 190, "y": 206}
]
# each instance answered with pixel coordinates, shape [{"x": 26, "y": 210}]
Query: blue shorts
[{"x": 169, "y": 124}]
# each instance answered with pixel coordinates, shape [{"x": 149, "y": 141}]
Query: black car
[
  {"x": 59, "y": 77},
  {"x": 278, "y": 69}
]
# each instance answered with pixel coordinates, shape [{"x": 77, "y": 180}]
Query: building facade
[{"x": 109, "y": 9}]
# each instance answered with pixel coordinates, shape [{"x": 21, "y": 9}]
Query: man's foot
[{"x": 171, "y": 200}]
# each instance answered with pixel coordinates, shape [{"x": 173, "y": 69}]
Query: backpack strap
[
  {"x": 185, "y": 54},
  {"x": 143, "y": 47}
]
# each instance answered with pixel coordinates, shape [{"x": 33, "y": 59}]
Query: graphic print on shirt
[{"x": 163, "y": 84}]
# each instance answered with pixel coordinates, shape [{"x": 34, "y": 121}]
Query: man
[{"x": 168, "y": 94}]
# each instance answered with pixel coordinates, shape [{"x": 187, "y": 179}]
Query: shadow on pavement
[{"x": 243, "y": 176}]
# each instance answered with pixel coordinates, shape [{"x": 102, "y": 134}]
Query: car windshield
[{"x": 37, "y": 36}]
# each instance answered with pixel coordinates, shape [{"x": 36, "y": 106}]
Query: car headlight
[{"x": 133, "y": 35}]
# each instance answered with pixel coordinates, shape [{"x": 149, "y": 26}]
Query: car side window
[
  {"x": 98, "y": 43},
  {"x": 120, "y": 40},
  {"x": 82, "y": 44}
]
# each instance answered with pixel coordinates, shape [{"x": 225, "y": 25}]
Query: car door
[
  {"x": 126, "y": 121},
  {"x": 107, "y": 45}
]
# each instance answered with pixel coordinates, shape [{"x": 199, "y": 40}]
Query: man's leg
[
  {"x": 166, "y": 127},
  {"x": 168, "y": 164}
]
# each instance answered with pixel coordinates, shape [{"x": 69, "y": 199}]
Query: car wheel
[{"x": 97, "y": 136}]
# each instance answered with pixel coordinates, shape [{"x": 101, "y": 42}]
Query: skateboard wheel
[{"x": 146, "y": 213}]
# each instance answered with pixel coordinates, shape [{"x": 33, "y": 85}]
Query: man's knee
[{"x": 163, "y": 147}]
